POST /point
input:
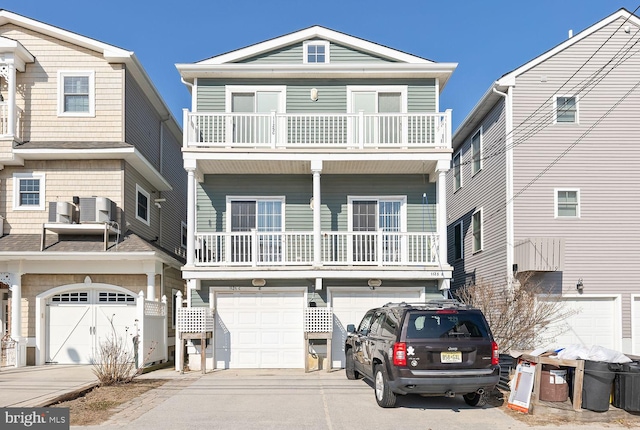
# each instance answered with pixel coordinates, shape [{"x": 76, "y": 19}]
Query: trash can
[
  {"x": 596, "y": 385},
  {"x": 553, "y": 384},
  {"x": 626, "y": 387}
]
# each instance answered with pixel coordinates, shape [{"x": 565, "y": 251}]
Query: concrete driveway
[{"x": 291, "y": 399}]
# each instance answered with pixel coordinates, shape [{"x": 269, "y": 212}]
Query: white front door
[
  {"x": 259, "y": 330},
  {"x": 79, "y": 322},
  {"x": 350, "y": 306}
]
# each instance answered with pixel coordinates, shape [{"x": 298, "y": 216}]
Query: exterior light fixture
[
  {"x": 373, "y": 283},
  {"x": 314, "y": 94},
  {"x": 258, "y": 282},
  {"x": 580, "y": 285}
]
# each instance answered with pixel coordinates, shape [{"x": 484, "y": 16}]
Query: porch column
[
  {"x": 151, "y": 285},
  {"x": 10, "y": 76},
  {"x": 316, "y": 168},
  {"x": 191, "y": 216},
  {"x": 16, "y": 318},
  {"x": 441, "y": 200}
]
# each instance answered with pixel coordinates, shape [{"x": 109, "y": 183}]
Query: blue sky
[{"x": 487, "y": 38}]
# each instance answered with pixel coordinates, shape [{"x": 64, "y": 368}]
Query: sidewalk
[{"x": 38, "y": 386}]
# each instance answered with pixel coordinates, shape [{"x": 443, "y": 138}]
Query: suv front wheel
[{"x": 384, "y": 396}]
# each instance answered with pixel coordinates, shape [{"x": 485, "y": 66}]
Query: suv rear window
[{"x": 445, "y": 324}]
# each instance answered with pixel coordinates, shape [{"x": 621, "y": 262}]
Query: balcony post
[
  {"x": 273, "y": 129},
  {"x": 11, "y": 104},
  {"x": 441, "y": 200},
  {"x": 191, "y": 216},
  {"x": 361, "y": 129},
  {"x": 316, "y": 168}
]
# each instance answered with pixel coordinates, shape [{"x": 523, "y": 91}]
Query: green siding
[
  {"x": 332, "y": 93},
  {"x": 292, "y": 54},
  {"x": 298, "y": 190},
  {"x": 200, "y": 298}
]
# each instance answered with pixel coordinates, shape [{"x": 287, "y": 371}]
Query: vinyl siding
[
  {"x": 40, "y": 120},
  {"x": 292, "y": 54},
  {"x": 142, "y": 123},
  {"x": 487, "y": 190},
  {"x": 600, "y": 246},
  {"x": 63, "y": 180},
  {"x": 298, "y": 190},
  {"x": 148, "y": 232},
  {"x": 332, "y": 93}
]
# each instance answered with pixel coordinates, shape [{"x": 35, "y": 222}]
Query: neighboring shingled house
[{"x": 92, "y": 194}]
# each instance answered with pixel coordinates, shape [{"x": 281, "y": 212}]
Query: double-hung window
[
  {"x": 260, "y": 219},
  {"x": 476, "y": 152},
  {"x": 476, "y": 225},
  {"x": 457, "y": 172},
  {"x": 28, "y": 191},
  {"x": 567, "y": 203},
  {"x": 566, "y": 108},
  {"x": 376, "y": 225},
  {"x": 76, "y": 93},
  {"x": 142, "y": 205}
]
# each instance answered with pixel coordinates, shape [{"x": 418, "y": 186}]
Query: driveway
[{"x": 291, "y": 399}]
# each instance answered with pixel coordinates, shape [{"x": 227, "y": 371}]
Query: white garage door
[
  {"x": 259, "y": 330},
  {"x": 635, "y": 325},
  {"x": 350, "y": 306},
  {"x": 593, "y": 324},
  {"x": 79, "y": 322}
]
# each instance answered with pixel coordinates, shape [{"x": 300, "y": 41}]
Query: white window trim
[
  {"x": 555, "y": 109},
  {"x": 305, "y": 46},
  {"x": 455, "y": 226},
  {"x": 183, "y": 234},
  {"x": 231, "y": 199},
  {"x": 555, "y": 203},
  {"x": 402, "y": 89},
  {"x": 453, "y": 170},
  {"x": 473, "y": 239},
  {"x": 231, "y": 89},
  {"x": 401, "y": 199},
  {"x": 16, "y": 192},
  {"x": 92, "y": 109},
  {"x": 144, "y": 192},
  {"x": 481, "y": 134}
]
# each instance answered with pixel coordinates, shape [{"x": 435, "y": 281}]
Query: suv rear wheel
[
  {"x": 384, "y": 396},
  {"x": 475, "y": 399},
  {"x": 350, "y": 368}
]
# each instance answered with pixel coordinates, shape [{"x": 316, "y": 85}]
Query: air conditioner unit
[
  {"x": 61, "y": 212},
  {"x": 97, "y": 209}
]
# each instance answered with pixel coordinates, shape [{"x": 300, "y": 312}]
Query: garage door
[
  {"x": 593, "y": 324},
  {"x": 79, "y": 321},
  {"x": 635, "y": 325},
  {"x": 350, "y": 306},
  {"x": 259, "y": 330}
]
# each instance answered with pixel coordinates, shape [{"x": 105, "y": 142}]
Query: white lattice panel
[
  {"x": 154, "y": 309},
  {"x": 195, "y": 320},
  {"x": 318, "y": 320}
]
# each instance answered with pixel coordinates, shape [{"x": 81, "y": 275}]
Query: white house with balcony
[{"x": 316, "y": 179}]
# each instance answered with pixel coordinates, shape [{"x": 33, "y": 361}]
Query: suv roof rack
[{"x": 435, "y": 303}]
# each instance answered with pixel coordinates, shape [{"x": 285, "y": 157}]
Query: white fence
[{"x": 152, "y": 326}]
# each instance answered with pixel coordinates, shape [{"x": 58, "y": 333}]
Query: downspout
[{"x": 508, "y": 99}]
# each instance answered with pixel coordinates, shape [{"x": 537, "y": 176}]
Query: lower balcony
[{"x": 337, "y": 248}]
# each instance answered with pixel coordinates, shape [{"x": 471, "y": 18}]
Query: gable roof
[
  {"x": 401, "y": 63},
  {"x": 110, "y": 53},
  {"x": 490, "y": 97}
]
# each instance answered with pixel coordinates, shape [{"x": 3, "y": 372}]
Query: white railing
[
  {"x": 254, "y": 248},
  {"x": 4, "y": 120},
  {"x": 382, "y": 248},
  {"x": 306, "y": 130}
]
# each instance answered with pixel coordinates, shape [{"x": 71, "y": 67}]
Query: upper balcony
[
  {"x": 301, "y": 131},
  {"x": 5, "y": 122}
]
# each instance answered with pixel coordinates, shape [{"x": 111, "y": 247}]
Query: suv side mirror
[{"x": 351, "y": 328}]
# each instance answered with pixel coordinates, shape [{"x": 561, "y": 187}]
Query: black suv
[{"x": 440, "y": 347}]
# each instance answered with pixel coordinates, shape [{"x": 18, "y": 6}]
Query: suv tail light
[
  {"x": 495, "y": 357},
  {"x": 400, "y": 354}
]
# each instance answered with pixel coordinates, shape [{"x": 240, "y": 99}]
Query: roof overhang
[
  {"x": 12, "y": 49},
  {"x": 131, "y": 155}
]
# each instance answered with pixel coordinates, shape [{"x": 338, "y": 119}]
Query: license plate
[{"x": 451, "y": 357}]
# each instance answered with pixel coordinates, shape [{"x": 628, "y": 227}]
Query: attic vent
[{"x": 97, "y": 209}]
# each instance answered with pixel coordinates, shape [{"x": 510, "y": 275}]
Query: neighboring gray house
[
  {"x": 544, "y": 181},
  {"x": 316, "y": 165},
  {"x": 92, "y": 194}
]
